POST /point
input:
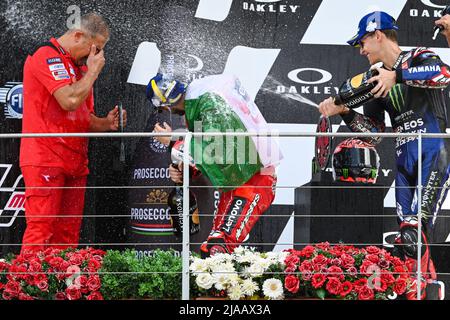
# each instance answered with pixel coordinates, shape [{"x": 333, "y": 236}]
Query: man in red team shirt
[{"x": 58, "y": 98}]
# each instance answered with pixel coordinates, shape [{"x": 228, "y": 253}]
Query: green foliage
[
  {"x": 125, "y": 276},
  {"x": 321, "y": 293}
]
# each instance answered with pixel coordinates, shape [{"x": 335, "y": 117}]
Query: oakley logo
[
  {"x": 429, "y": 3},
  {"x": 306, "y": 77},
  {"x": 198, "y": 66},
  {"x": 435, "y": 12},
  {"x": 269, "y": 6},
  {"x": 325, "y": 76}
]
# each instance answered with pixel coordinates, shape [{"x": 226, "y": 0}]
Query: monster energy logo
[
  {"x": 396, "y": 97},
  {"x": 373, "y": 173},
  {"x": 345, "y": 173}
]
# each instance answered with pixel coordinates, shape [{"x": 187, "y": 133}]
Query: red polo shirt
[{"x": 46, "y": 71}]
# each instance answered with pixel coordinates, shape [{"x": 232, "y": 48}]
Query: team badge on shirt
[
  {"x": 61, "y": 74},
  {"x": 54, "y": 60}
]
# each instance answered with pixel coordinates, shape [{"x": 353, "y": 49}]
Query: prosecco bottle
[
  {"x": 356, "y": 90},
  {"x": 175, "y": 202}
]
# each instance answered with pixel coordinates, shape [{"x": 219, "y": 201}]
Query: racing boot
[
  {"x": 409, "y": 239},
  {"x": 215, "y": 243}
]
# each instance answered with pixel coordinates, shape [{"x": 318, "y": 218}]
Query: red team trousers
[{"x": 53, "y": 214}]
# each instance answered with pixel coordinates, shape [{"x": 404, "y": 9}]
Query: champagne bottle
[
  {"x": 356, "y": 90},
  {"x": 175, "y": 202}
]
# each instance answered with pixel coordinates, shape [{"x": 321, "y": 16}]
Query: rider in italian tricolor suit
[{"x": 243, "y": 168}]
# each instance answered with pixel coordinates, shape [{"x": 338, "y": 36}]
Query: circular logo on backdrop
[
  {"x": 157, "y": 146},
  {"x": 11, "y": 96}
]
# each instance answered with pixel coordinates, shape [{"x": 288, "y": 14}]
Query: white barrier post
[{"x": 186, "y": 229}]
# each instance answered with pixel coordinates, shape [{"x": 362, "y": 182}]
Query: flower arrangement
[
  {"x": 345, "y": 272},
  {"x": 52, "y": 274},
  {"x": 320, "y": 271},
  {"x": 244, "y": 274}
]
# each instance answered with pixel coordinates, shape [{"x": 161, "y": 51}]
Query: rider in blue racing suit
[{"x": 409, "y": 88}]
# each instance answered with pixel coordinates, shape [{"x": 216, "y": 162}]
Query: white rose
[
  {"x": 255, "y": 270},
  {"x": 204, "y": 281},
  {"x": 198, "y": 266}
]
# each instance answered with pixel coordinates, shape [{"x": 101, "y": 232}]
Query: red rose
[
  {"x": 359, "y": 284},
  {"x": 307, "y": 275},
  {"x": 23, "y": 296},
  {"x": 2, "y": 286},
  {"x": 292, "y": 283},
  {"x": 323, "y": 269},
  {"x": 336, "y": 262},
  {"x": 373, "y": 258},
  {"x": 400, "y": 286},
  {"x": 396, "y": 261},
  {"x": 318, "y": 280},
  {"x": 336, "y": 272},
  {"x": 320, "y": 260},
  {"x": 55, "y": 262},
  {"x": 292, "y": 259},
  {"x": 352, "y": 271},
  {"x": 97, "y": 252},
  {"x": 60, "y": 296},
  {"x": 72, "y": 270},
  {"x": 323, "y": 246},
  {"x": 308, "y": 251},
  {"x": 64, "y": 265},
  {"x": 35, "y": 267},
  {"x": 384, "y": 264},
  {"x": 334, "y": 286},
  {"x": 7, "y": 295},
  {"x": 347, "y": 261},
  {"x": 94, "y": 264},
  {"x": 60, "y": 276},
  {"x": 346, "y": 288},
  {"x": 401, "y": 271},
  {"x": 76, "y": 259},
  {"x": 42, "y": 285},
  {"x": 81, "y": 281},
  {"x": 95, "y": 296},
  {"x": 290, "y": 268},
  {"x": 368, "y": 268},
  {"x": 366, "y": 294},
  {"x": 373, "y": 250},
  {"x": 93, "y": 283},
  {"x": 387, "y": 277},
  {"x": 13, "y": 287},
  {"x": 97, "y": 257},
  {"x": 73, "y": 293},
  {"x": 3, "y": 266},
  {"x": 40, "y": 277},
  {"x": 306, "y": 266}
]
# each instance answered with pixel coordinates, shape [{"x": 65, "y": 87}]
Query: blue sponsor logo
[{"x": 54, "y": 60}]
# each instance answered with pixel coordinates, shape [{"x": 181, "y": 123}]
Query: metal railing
[{"x": 186, "y": 183}]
